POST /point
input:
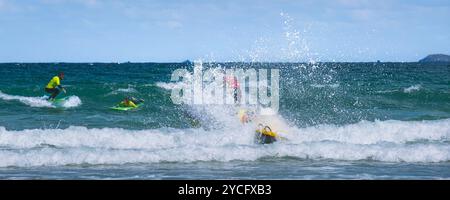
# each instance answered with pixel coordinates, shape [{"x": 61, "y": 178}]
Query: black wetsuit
[
  {"x": 53, "y": 91},
  {"x": 236, "y": 95}
]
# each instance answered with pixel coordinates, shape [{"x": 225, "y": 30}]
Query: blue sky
[{"x": 218, "y": 30}]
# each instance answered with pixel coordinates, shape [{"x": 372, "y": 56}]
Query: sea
[{"x": 369, "y": 120}]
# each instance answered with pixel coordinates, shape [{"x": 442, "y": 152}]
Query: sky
[{"x": 218, "y": 30}]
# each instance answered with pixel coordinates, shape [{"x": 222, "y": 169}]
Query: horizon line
[{"x": 189, "y": 61}]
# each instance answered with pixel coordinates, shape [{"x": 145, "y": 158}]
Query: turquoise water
[{"x": 345, "y": 121}]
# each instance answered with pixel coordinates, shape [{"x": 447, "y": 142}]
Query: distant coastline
[
  {"x": 436, "y": 58},
  {"x": 443, "y": 58},
  {"x": 221, "y": 62}
]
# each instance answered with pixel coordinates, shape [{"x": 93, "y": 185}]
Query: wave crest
[{"x": 390, "y": 141}]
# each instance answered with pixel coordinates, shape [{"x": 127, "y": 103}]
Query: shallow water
[{"x": 270, "y": 169}]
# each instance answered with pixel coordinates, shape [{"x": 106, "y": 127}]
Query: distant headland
[{"x": 436, "y": 58}]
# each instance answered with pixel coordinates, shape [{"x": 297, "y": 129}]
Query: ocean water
[{"x": 345, "y": 121}]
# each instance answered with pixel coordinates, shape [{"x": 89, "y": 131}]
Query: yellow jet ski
[{"x": 265, "y": 135}]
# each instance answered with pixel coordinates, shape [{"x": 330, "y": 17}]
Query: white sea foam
[
  {"x": 367, "y": 133},
  {"x": 31, "y": 101},
  {"x": 130, "y": 89},
  {"x": 126, "y": 90},
  {"x": 169, "y": 86},
  {"x": 412, "y": 88},
  {"x": 335, "y": 85},
  {"x": 385, "y": 91},
  {"x": 73, "y": 101},
  {"x": 392, "y": 141}
]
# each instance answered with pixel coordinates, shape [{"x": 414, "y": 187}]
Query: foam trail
[
  {"x": 30, "y": 101},
  {"x": 72, "y": 101}
]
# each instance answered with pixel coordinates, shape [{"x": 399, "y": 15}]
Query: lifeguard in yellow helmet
[
  {"x": 54, "y": 86},
  {"x": 130, "y": 102},
  {"x": 265, "y": 135}
]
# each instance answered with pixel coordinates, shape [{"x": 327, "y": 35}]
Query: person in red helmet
[
  {"x": 54, "y": 86},
  {"x": 232, "y": 82}
]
